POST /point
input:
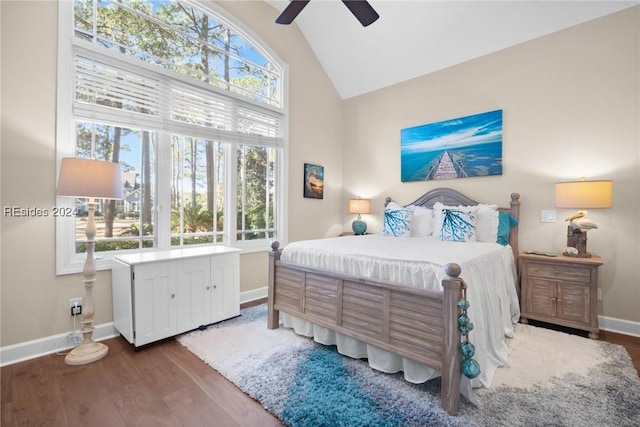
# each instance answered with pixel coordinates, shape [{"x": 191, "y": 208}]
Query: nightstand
[
  {"x": 561, "y": 290},
  {"x": 351, "y": 233}
]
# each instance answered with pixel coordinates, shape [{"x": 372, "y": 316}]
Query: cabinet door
[
  {"x": 225, "y": 287},
  {"x": 541, "y": 297},
  {"x": 194, "y": 278},
  {"x": 574, "y": 302},
  {"x": 154, "y": 301}
]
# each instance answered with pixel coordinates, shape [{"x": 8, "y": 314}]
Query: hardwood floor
[
  {"x": 161, "y": 385},
  {"x": 632, "y": 344}
]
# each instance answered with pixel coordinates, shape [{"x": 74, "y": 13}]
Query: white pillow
[
  {"x": 487, "y": 223},
  {"x": 397, "y": 221},
  {"x": 487, "y": 220},
  {"x": 437, "y": 215},
  {"x": 458, "y": 225},
  {"x": 422, "y": 225}
]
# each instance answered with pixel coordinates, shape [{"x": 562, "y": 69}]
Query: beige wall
[
  {"x": 571, "y": 109},
  {"x": 34, "y": 300}
]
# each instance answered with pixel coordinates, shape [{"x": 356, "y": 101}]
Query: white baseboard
[
  {"x": 621, "y": 326},
  {"x": 252, "y": 295},
  {"x": 61, "y": 343}
]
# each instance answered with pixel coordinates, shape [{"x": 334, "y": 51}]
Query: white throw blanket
[{"x": 487, "y": 268}]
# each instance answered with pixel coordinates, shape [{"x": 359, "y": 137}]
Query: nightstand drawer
[{"x": 559, "y": 272}]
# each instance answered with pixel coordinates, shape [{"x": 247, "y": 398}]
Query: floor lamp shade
[
  {"x": 92, "y": 179},
  {"x": 359, "y": 206},
  {"x": 89, "y": 178}
]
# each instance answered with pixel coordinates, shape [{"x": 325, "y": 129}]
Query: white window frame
[{"x": 67, "y": 260}]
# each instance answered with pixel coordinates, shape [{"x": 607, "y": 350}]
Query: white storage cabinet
[{"x": 164, "y": 293}]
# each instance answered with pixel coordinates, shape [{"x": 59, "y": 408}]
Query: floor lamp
[{"x": 92, "y": 179}]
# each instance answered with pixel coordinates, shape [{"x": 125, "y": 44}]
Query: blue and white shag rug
[{"x": 553, "y": 379}]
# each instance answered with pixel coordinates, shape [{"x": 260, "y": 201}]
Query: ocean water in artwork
[{"x": 459, "y": 148}]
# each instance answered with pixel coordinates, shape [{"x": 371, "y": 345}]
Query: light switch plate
[{"x": 547, "y": 216}]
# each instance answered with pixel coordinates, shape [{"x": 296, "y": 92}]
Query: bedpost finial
[
  {"x": 275, "y": 245},
  {"x": 452, "y": 270}
]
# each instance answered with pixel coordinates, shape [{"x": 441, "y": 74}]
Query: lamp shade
[
  {"x": 584, "y": 194},
  {"x": 89, "y": 178},
  {"x": 359, "y": 206}
]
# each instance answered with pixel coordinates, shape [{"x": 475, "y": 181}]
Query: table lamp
[
  {"x": 359, "y": 206},
  {"x": 582, "y": 195}
]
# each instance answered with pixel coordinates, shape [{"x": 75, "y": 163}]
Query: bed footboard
[{"x": 419, "y": 324}]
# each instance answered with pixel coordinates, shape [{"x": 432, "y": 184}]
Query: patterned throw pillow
[
  {"x": 397, "y": 221},
  {"x": 458, "y": 225}
]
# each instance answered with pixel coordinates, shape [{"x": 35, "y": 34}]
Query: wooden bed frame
[{"x": 416, "y": 323}]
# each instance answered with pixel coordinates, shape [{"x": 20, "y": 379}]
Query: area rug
[{"x": 553, "y": 379}]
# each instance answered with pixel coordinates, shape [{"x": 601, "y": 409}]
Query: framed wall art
[
  {"x": 457, "y": 148},
  {"x": 313, "y": 181}
]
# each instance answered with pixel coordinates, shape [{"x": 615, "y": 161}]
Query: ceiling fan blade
[
  {"x": 362, "y": 10},
  {"x": 291, "y": 11}
]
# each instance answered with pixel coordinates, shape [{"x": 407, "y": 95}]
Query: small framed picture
[{"x": 313, "y": 181}]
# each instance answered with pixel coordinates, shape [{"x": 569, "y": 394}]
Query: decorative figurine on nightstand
[
  {"x": 577, "y": 234},
  {"x": 570, "y": 251}
]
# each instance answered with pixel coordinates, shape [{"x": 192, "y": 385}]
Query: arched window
[{"x": 190, "y": 106}]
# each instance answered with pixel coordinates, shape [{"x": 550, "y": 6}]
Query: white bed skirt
[{"x": 379, "y": 359}]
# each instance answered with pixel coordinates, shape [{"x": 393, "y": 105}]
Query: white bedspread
[{"x": 487, "y": 268}]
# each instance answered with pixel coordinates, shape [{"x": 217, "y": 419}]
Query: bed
[{"x": 391, "y": 304}]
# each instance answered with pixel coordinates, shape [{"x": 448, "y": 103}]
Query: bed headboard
[{"x": 450, "y": 197}]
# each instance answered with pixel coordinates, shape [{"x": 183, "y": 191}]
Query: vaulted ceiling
[{"x": 416, "y": 37}]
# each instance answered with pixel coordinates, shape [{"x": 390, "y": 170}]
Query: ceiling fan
[{"x": 361, "y": 9}]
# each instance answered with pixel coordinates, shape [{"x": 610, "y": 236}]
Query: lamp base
[
  {"x": 86, "y": 353},
  {"x": 577, "y": 239},
  {"x": 359, "y": 226}
]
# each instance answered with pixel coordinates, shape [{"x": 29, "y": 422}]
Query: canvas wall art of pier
[{"x": 458, "y": 148}]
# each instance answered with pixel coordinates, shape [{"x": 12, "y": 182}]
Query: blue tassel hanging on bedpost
[{"x": 470, "y": 368}]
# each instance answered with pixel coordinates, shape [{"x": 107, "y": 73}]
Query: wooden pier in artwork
[{"x": 445, "y": 167}]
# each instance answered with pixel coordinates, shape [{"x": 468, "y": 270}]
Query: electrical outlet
[
  {"x": 75, "y": 337},
  {"x": 599, "y": 294},
  {"x": 75, "y": 306}
]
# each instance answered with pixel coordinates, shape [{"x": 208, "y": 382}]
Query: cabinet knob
[
  {"x": 215, "y": 287},
  {"x": 208, "y": 287},
  {"x": 173, "y": 295}
]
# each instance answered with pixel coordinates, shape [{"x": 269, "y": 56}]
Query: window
[
  {"x": 255, "y": 193},
  {"x": 197, "y": 191},
  {"x": 192, "y": 109}
]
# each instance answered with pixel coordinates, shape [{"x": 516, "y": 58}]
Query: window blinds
[{"x": 126, "y": 94}]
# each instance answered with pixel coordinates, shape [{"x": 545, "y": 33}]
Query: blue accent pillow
[
  {"x": 505, "y": 223},
  {"x": 397, "y": 221},
  {"x": 458, "y": 225}
]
